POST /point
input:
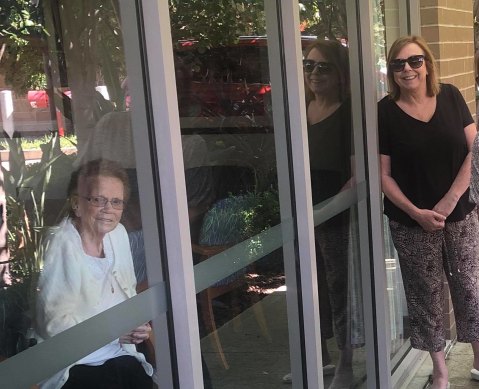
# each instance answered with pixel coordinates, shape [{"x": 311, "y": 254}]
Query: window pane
[
  {"x": 331, "y": 85},
  {"x": 72, "y": 226},
  {"x": 388, "y": 30},
  {"x": 230, "y": 157}
]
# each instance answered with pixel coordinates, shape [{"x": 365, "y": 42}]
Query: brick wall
[{"x": 447, "y": 26}]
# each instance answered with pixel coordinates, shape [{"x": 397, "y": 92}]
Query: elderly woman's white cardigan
[{"x": 67, "y": 291}]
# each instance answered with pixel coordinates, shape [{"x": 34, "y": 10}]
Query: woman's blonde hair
[{"x": 432, "y": 83}]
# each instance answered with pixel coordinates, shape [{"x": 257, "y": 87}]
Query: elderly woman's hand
[{"x": 137, "y": 336}]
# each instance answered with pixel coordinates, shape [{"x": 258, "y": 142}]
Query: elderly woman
[
  {"x": 88, "y": 269},
  {"x": 426, "y": 132}
]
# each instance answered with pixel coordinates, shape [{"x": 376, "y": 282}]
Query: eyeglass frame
[
  {"x": 324, "y": 67},
  {"x": 105, "y": 201},
  {"x": 414, "y": 61}
]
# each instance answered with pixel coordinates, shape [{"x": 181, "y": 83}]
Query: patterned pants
[
  {"x": 332, "y": 242},
  {"x": 423, "y": 257}
]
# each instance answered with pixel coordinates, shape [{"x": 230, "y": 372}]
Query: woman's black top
[
  {"x": 330, "y": 153},
  {"x": 425, "y": 156}
]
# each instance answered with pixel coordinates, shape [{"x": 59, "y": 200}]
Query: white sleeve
[{"x": 59, "y": 294}]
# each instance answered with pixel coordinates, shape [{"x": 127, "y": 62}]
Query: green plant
[
  {"x": 236, "y": 218},
  {"x": 25, "y": 187},
  {"x": 31, "y": 143}
]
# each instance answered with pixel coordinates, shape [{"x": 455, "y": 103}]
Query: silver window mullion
[
  {"x": 287, "y": 15},
  {"x": 173, "y": 192},
  {"x": 133, "y": 59},
  {"x": 414, "y": 16},
  {"x": 376, "y": 316}
]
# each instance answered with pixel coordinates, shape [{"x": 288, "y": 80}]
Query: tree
[
  {"x": 324, "y": 18},
  {"x": 216, "y": 23},
  {"x": 22, "y": 43}
]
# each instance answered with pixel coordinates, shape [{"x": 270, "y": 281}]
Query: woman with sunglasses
[
  {"x": 89, "y": 269},
  {"x": 326, "y": 76},
  {"x": 425, "y": 134}
]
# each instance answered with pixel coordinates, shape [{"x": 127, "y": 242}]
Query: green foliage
[
  {"x": 88, "y": 35},
  {"x": 21, "y": 21},
  {"x": 22, "y": 34},
  {"x": 236, "y": 218},
  {"x": 25, "y": 187},
  {"x": 324, "y": 19},
  {"x": 216, "y": 23},
  {"x": 263, "y": 212},
  {"x": 23, "y": 68},
  {"x": 31, "y": 143}
]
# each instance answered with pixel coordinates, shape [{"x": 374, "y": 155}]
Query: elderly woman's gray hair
[{"x": 96, "y": 168}]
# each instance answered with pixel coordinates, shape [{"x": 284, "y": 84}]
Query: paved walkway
[
  {"x": 257, "y": 361},
  {"x": 459, "y": 362}
]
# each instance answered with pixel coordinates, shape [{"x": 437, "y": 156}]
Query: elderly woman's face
[
  {"x": 99, "y": 220},
  {"x": 410, "y": 79}
]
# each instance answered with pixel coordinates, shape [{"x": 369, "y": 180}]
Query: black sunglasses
[
  {"x": 322, "y": 67},
  {"x": 414, "y": 61}
]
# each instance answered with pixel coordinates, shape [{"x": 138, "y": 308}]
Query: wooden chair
[{"x": 207, "y": 296}]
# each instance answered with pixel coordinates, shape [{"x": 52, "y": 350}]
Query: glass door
[
  {"x": 240, "y": 216},
  {"x": 392, "y": 22},
  {"x": 81, "y": 260},
  {"x": 240, "y": 127}
]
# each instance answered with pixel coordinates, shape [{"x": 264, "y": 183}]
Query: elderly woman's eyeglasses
[
  {"x": 310, "y": 66},
  {"x": 100, "y": 201},
  {"x": 414, "y": 61}
]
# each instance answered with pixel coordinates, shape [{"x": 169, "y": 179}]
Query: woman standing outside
[{"x": 426, "y": 132}]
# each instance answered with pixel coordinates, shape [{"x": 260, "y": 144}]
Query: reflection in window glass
[
  {"x": 387, "y": 29},
  {"x": 331, "y": 152},
  {"x": 222, "y": 75},
  {"x": 71, "y": 236},
  {"x": 224, "y": 97}
]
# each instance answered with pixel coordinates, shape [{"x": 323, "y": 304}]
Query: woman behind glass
[
  {"x": 88, "y": 269},
  {"x": 426, "y": 132},
  {"x": 326, "y": 75}
]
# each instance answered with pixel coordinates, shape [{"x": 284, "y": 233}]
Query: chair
[{"x": 224, "y": 226}]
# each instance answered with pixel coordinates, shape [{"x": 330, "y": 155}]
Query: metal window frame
[
  {"x": 159, "y": 50},
  {"x": 376, "y": 331},
  {"x": 284, "y": 47}
]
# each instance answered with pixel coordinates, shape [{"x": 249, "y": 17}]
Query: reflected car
[{"x": 225, "y": 81}]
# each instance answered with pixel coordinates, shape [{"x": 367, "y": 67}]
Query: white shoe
[
  {"x": 448, "y": 386},
  {"x": 475, "y": 374},
  {"x": 328, "y": 370},
  {"x": 287, "y": 379}
]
